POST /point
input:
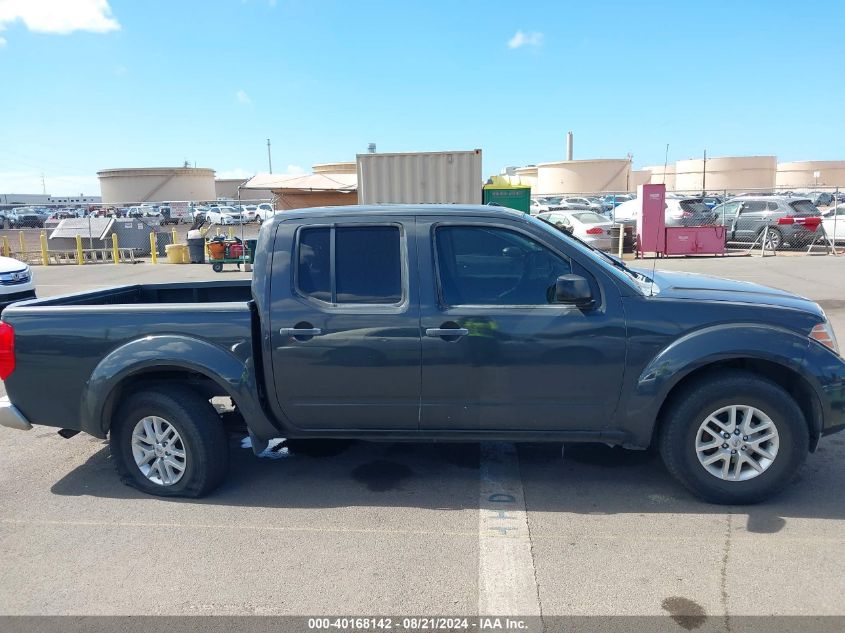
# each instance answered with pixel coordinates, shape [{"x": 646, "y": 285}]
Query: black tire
[
  {"x": 199, "y": 426},
  {"x": 690, "y": 408},
  {"x": 217, "y": 267}
]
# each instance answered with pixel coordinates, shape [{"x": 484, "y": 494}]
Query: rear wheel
[
  {"x": 774, "y": 239},
  {"x": 734, "y": 438},
  {"x": 217, "y": 267},
  {"x": 169, "y": 441}
]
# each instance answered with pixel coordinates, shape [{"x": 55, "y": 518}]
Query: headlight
[{"x": 823, "y": 333}]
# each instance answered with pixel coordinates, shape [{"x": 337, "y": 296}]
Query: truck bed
[
  {"x": 60, "y": 342},
  {"x": 174, "y": 293}
]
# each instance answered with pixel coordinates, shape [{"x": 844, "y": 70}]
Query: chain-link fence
[
  {"x": 121, "y": 232},
  {"x": 770, "y": 220}
]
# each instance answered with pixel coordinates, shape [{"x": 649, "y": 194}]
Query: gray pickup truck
[{"x": 432, "y": 323}]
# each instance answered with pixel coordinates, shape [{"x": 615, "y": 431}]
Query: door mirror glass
[{"x": 574, "y": 290}]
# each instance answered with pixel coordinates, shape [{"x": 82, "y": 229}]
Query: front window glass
[{"x": 491, "y": 266}]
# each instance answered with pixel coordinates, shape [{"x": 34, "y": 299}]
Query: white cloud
[
  {"x": 59, "y": 16},
  {"x": 521, "y": 39},
  {"x": 2, "y": 42},
  {"x": 242, "y": 97}
]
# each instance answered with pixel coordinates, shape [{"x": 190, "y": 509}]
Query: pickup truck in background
[{"x": 461, "y": 323}]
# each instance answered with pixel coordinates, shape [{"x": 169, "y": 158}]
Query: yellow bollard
[
  {"x": 5, "y": 246},
  {"x": 153, "y": 248},
  {"x": 231, "y": 232},
  {"x": 45, "y": 259},
  {"x": 115, "y": 253},
  {"x": 175, "y": 236},
  {"x": 79, "y": 259},
  {"x": 23, "y": 248}
]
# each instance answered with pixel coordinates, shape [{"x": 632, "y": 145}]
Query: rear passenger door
[
  {"x": 345, "y": 325},
  {"x": 750, "y": 220}
]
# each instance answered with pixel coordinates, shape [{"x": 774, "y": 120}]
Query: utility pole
[
  {"x": 704, "y": 176},
  {"x": 269, "y": 158},
  {"x": 43, "y": 184}
]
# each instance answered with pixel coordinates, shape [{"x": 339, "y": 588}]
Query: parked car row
[{"x": 234, "y": 214}]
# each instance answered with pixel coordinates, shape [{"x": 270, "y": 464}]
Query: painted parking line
[{"x": 507, "y": 584}]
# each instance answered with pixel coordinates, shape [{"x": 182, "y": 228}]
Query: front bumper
[{"x": 11, "y": 417}]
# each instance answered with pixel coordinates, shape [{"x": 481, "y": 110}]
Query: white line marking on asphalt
[{"x": 507, "y": 584}]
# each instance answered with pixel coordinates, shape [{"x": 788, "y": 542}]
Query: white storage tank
[
  {"x": 156, "y": 184},
  {"x": 802, "y": 174},
  {"x": 583, "y": 176},
  {"x": 730, "y": 173},
  {"x": 335, "y": 168},
  {"x": 639, "y": 177},
  {"x": 660, "y": 175},
  {"x": 420, "y": 178},
  {"x": 525, "y": 176}
]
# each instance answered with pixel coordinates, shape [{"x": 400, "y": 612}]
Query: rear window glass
[
  {"x": 805, "y": 207},
  {"x": 753, "y": 205},
  {"x": 693, "y": 206},
  {"x": 367, "y": 264},
  {"x": 589, "y": 218}
]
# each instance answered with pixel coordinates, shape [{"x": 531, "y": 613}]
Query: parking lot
[{"x": 415, "y": 528}]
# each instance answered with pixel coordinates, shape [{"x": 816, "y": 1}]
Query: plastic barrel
[{"x": 196, "y": 250}]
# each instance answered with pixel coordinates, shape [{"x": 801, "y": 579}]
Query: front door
[
  {"x": 497, "y": 353},
  {"x": 345, "y": 326}
]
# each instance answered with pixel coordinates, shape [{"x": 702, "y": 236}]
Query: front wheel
[
  {"x": 734, "y": 438},
  {"x": 217, "y": 267},
  {"x": 169, "y": 441}
]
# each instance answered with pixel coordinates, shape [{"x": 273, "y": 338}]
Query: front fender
[
  {"x": 703, "y": 347},
  {"x": 232, "y": 370},
  {"x": 721, "y": 342}
]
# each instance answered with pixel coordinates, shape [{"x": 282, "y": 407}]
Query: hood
[
  {"x": 693, "y": 286},
  {"x": 10, "y": 265}
]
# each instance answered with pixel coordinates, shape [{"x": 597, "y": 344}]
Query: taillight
[
  {"x": 7, "y": 350},
  {"x": 595, "y": 231},
  {"x": 812, "y": 222}
]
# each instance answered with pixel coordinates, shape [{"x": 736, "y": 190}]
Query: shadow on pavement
[{"x": 588, "y": 479}]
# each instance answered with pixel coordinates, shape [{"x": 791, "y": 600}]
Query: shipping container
[{"x": 420, "y": 178}]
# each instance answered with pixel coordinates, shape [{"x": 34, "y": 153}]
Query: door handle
[
  {"x": 435, "y": 332},
  {"x": 300, "y": 331}
]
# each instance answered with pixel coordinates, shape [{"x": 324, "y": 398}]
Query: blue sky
[{"x": 90, "y": 84}]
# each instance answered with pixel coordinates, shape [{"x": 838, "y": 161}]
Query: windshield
[{"x": 694, "y": 206}]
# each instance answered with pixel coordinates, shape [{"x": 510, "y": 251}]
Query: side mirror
[{"x": 573, "y": 290}]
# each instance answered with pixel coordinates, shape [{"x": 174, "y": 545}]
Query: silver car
[{"x": 588, "y": 226}]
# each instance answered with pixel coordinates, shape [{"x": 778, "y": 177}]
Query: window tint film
[
  {"x": 489, "y": 266},
  {"x": 368, "y": 264},
  {"x": 314, "y": 270}
]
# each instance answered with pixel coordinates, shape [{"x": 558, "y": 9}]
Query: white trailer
[{"x": 420, "y": 178}]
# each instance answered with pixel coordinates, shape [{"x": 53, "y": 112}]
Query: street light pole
[{"x": 269, "y": 158}]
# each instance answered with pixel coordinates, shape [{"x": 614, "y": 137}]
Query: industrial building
[
  {"x": 584, "y": 176},
  {"x": 156, "y": 184},
  {"x": 328, "y": 184}
]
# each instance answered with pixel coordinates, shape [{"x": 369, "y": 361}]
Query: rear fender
[{"x": 234, "y": 374}]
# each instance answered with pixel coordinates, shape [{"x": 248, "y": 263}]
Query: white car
[
  {"x": 249, "y": 212},
  {"x": 833, "y": 222},
  {"x": 265, "y": 211},
  {"x": 224, "y": 215},
  {"x": 587, "y": 226},
  {"x": 16, "y": 283},
  {"x": 537, "y": 207}
]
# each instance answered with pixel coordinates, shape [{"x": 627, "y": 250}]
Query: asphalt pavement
[{"x": 419, "y": 528}]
